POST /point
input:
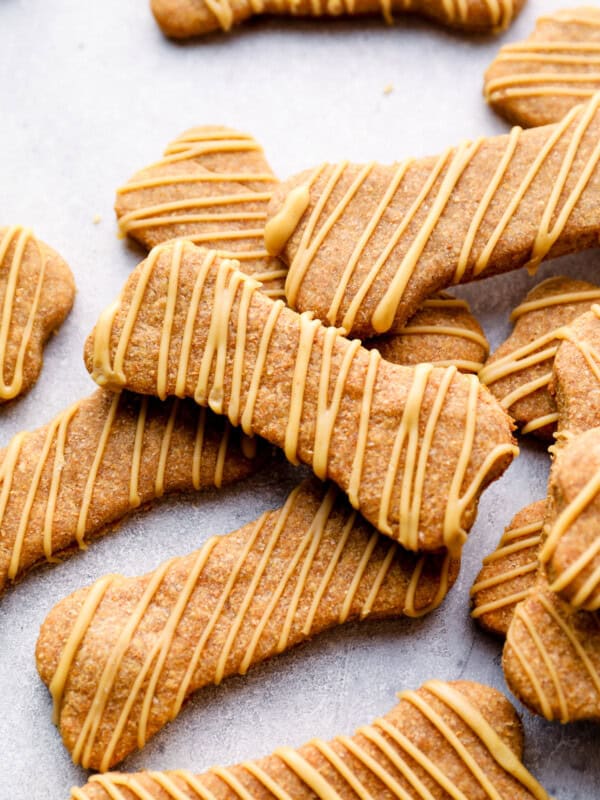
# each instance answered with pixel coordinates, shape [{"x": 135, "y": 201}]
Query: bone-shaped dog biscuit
[
  {"x": 212, "y": 186},
  {"x": 443, "y": 332},
  {"x": 121, "y": 656},
  {"x": 510, "y": 572},
  {"x": 99, "y": 459},
  {"x": 36, "y": 294},
  {"x": 183, "y": 18},
  {"x": 456, "y": 739},
  {"x": 367, "y": 244},
  {"x": 519, "y": 372},
  {"x": 189, "y": 325},
  {"x": 551, "y": 658},
  {"x": 536, "y": 82}
]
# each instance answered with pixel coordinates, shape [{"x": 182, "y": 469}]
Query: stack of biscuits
[{"x": 312, "y": 316}]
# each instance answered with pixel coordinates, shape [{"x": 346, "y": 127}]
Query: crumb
[
  {"x": 388, "y": 89},
  {"x": 97, "y": 219}
]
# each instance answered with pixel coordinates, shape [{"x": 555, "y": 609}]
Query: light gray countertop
[{"x": 90, "y": 92}]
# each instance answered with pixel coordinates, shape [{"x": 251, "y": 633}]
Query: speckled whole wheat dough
[
  {"x": 212, "y": 186},
  {"x": 450, "y": 217},
  {"x": 181, "y": 19},
  {"x": 531, "y": 326},
  {"x": 379, "y": 759},
  {"x": 510, "y": 572},
  {"x": 270, "y": 413},
  {"x": 44, "y": 474},
  {"x": 293, "y": 573},
  {"x": 37, "y": 291},
  {"x": 537, "y": 81}
]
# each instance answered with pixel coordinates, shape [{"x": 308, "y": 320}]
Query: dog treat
[
  {"x": 99, "y": 459},
  {"x": 367, "y": 244},
  {"x": 443, "y": 332},
  {"x": 447, "y": 739},
  {"x": 571, "y": 553},
  {"x": 121, "y": 656},
  {"x": 519, "y": 373},
  {"x": 37, "y": 292},
  {"x": 212, "y": 187},
  {"x": 551, "y": 657},
  {"x": 509, "y": 573},
  {"x": 183, "y": 18},
  {"x": 189, "y": 325},
  {"x": 536, "y": 82}
]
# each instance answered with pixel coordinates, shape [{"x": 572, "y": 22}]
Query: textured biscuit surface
[
  {"x": 367, "y": 244},
  {"x": 443, "y": 332},
  {"x": 184, "y": 18},
  {"x": 144, "y": 644},
  {"x": 510, "y": 572},
  {"x": 36, "y": 294},
  {"x": 105, "y": 455},
  {"x": 188, "y": 325},
  {"x": 212, "y": 186},
  {"x": 551, "y": 658},
  {"x": 519, "y": 372},
  {"x": 457, "y": 739},
  {"x": 536, "y": 82}
]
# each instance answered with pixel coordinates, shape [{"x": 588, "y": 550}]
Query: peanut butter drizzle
[
  {"x": 298, "y": 572},
  {"x": 446, "y": 175},
  {"x": 21, "y": 238},
  {"x": 190, "y": 210},
  {"x": 514, "y": 540},
  {"x": 501, "y": 12},
  {"x": 210, "y": 390},
  {"x": 388, "y": 760},
  {"x": 560, "y": 622},
  {"x": 540, "y": 350},
  {"x": 53, "y": 451}
]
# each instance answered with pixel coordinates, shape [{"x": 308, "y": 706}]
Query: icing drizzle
[
  {"x": 366, "y": 283},
  {"x": 230, "y": 218},
  {"x": 230, "y": 377},
  {"x": 21, "y": 240},
  {"x": 387, "y": 756},
  {"x": 26, "y": 483},
  {"x": 305, "y": 595}
]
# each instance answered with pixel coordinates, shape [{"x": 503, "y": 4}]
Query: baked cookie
[
  {"x": 443, "y": 332},
  {"x": 510, "y": 572},
  {"x": 536, "y": 82},
  {"x": 519, "y": 372},
  {"x": 367, "y": 244},
  {"x": 212, "y": 186},
  {"x": 183, "y": 18},
  {"x": 551, "y": 658},
  {"x": 189, "y": 325},
  {"x": 456, "y": 739},
  {"x": 36, "y": 294},
  {"x": 105, "y": 455},
  {"x": 121, "y": 657}
]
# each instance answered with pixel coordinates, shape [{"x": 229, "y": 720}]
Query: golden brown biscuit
[
  {"x": 36, "y": 294},
  {"x": 536, "y": 82},
  {"x": 189, "y": 325},
  {"x": 519, "y": 372},
  {"x": 551, "y": 658},
  {"x": 571, "y": 552},
  {"x": 182, "y": 18},
  {"x": 67, "y": 482},
  {"x": 510, "y": 572},
  {"x": 443, "y": 332},
  {"x": 212, "y": 186},
  {"x": 457, "y": 739},
  {"x": 122, "y": 656},
  {"x": 367, "y": 244}
]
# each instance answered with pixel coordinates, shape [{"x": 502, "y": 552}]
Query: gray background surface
[{"x": 90, "y": 92}]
